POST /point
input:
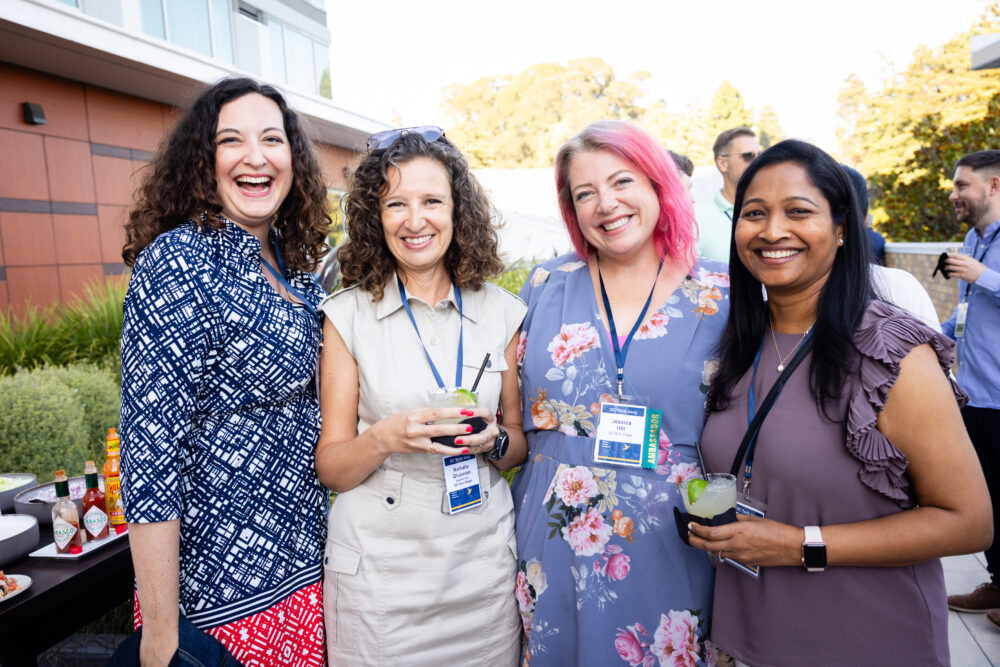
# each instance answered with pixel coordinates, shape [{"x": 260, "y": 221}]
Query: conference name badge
[
  {"x": 628, "y": 434},
  {"x": 461, "y": 480}
]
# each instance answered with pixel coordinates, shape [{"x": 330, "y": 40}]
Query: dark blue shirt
[{"x": 220, "y": 420}]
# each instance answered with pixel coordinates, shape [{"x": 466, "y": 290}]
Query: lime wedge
[
  {"x": 695, "y": 487},
  {"x": 465, "y": 397}
]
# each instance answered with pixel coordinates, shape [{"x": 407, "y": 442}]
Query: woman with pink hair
[{"x": 618, "y": 333}]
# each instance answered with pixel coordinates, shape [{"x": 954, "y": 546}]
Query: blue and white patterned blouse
[{"x": 220, "y": 420}]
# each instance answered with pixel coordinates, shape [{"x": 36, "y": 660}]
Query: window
[
  {"x": 152, "y": 18},
  {"x": 204, "y": 26},
  {"x": 299, "y": 61},
  {"x": 299, "y": 58},
  {"x": 277, "y": 52},
  {"x": 322, "y": 60}
]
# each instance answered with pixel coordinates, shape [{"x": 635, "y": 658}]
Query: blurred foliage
[
  {"x": 42, "y": 425},
  {"x": 878, "y": 130},
  {"x": 914, "y": 197},
  {"x": 513, "y": 277},
  {"x": 98, "y": 393},
  {"x": 521, "y": 120},
  {"x": 87, "y": 328}
]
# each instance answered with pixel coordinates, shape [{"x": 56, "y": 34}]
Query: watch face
[
  {"x": 814, "y": 556},
  {"x": 500, "y": 445}
]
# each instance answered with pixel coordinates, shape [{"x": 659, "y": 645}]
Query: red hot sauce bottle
[{"x": 95, "y": 514}]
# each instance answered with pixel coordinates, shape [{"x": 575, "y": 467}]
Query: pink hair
[{"x": 676, "y": 231}]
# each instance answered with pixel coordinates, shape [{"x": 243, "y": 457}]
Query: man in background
[
  {"x": 685, "y": 169},
  {"x": 974, "y": 326},
  {"x": 734, "y": 150}
]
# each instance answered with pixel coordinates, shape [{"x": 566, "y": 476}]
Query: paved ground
[{"x": 974, "y": 641}]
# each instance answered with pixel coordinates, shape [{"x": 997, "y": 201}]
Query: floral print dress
[{"x": 603, "y": 577}]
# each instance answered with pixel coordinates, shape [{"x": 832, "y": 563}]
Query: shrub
[
  {"x": 42, "y": 425},
  {"x": 88, "y": 328},
  {"x": 98, "y": 394},
  {"x": 25, "y": 342}
]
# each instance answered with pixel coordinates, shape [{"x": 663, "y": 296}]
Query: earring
[{"x": 840, "y": 241}]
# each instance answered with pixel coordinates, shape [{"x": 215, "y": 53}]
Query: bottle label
[
  {"x": 63, "y": 532},
  {"x": 113, "y": 499},
  {"x": 95, "y": 521}
]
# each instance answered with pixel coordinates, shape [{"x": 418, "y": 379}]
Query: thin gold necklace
[{"x": 783, "y": 360}]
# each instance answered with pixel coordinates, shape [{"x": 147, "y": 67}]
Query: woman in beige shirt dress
[{"x": 410, "y": 580}]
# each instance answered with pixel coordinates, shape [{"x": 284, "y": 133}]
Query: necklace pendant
[{"x": 781, "y": 367}]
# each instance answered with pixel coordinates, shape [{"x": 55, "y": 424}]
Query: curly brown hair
[
  {"x": 180, "y": 182},
  {"x": 365, "y": 258}
]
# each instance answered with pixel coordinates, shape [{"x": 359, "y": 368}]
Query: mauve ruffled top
[{"x": 811, "y": 471}]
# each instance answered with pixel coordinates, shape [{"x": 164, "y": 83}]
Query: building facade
[{"x": 89, "y": 87}]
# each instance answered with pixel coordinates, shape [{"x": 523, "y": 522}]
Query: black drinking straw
[{"x": 482, "y": 368}]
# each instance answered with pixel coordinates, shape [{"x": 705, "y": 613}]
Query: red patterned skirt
[{"x": 287, "y": 634}]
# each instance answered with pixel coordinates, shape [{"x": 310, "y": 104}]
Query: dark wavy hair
[
  {"x": 180, "y": 183},
  {"x": 842, "y": 301},
  {"x": 365, "y": 258}
]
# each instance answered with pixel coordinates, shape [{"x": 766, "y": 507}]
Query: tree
[
  {"x": 877, "y": 126},
  {"x": 522, "y": 120},
  {"x": 768, "y": 125},
  {"x": 915, "y": 196},
  {"x": 726, "y": 111}
]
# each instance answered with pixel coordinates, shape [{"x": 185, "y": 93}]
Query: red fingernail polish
[
  {"x": 468, "y": 429},
  {"x": 465, "y": 451},
  {"x": 467, "y": 413},
  {"x": 458, "y": 441}
]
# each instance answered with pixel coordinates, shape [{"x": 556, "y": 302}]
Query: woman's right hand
[{"x": 410, "y": 431}]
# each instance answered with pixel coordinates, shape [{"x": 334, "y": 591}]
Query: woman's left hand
[
  {"x": 482, "y": 442},
  {"x": 751, "y": 540}
]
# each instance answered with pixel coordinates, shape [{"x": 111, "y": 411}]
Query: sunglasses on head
[
  {"x": 387, "y": 138},
  {"x": 748, "y": 157}
]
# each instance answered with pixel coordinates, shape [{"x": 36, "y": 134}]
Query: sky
[{"x": 391, "y": 58}]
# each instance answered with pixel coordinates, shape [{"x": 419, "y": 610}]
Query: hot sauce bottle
[
  {"x": 65, "y": 517},
  {"x": 112, "y": 484},
  {"x": 95, "y": 514}
]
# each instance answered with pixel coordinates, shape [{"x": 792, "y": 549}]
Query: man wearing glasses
[{"x": 734, "y": 150}]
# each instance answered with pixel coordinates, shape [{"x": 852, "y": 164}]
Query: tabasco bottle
[
  {"x": 95, "y": 513},
  {"x": 65, "y": 518},
  {"x": 112, "y": 484}
]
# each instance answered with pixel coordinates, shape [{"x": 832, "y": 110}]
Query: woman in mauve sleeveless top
[{"x": 863, "y": 463}]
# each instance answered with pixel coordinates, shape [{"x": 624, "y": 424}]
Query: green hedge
[{"x": 54, "y": 417}]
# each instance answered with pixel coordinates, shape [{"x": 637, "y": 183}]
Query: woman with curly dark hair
[
  {"x": 219, "y": 409},
  {"x": 411, "y": 576}
]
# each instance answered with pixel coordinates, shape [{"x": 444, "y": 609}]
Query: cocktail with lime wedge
[
  {"x": 710, "y": 496},
  {"x": 451, "y": 398}
]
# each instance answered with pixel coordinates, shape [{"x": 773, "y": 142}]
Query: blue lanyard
[
  {"x": 752, "y": 412},
  {"x": 281, "y": 278},
  {"x": 622, "y": 352},
  {"x": 409, "y": 313}
]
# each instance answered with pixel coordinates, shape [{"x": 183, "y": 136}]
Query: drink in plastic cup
[
  {"x": 718, "y": 496},
  {"x": 451, "y": 398}
]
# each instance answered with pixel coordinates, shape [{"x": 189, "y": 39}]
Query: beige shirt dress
[{"x": 405, "y": 582}]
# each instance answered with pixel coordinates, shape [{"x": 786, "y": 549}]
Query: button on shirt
[
  {"x": 978, "y": 349},
  {"x": 715, "y": 227}
]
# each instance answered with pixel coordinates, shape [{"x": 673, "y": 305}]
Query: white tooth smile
[
  {"x": 417, "y": 240},
  {"x": 254, "y": 180},
  {"x": 778, "y": 254},
  {"x": 612, "y": 226}
]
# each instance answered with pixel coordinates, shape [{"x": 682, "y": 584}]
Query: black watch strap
[{"x": 500, "y": 445}]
